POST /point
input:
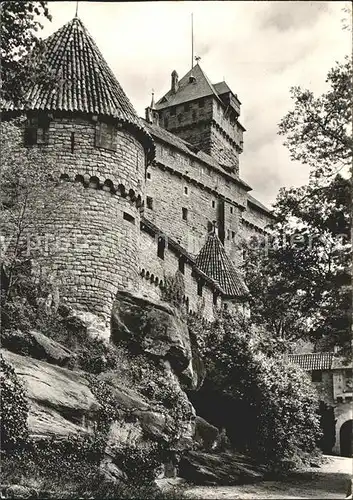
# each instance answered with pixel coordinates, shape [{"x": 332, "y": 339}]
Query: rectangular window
[
  {"x": 215, "y": 296},
  {"x": 106, "y": 136},
  {"x": 37, "y": 130},
  {"x": 186, "y": 190},
  {"x": 161, "y": 247},
  {"x": 228, "y": 234},
  {"x": 199, "y": 288},
  {"x": 148, "y": 175},
  {"x": 233, "y": 235},
  {"x": 128, "y": 217},
  {"x": 182, "y": 265},
  {"x": 213, "y": 204},
  {"x": 185, "y": 213},
  {"x": 149, "y": 202},
  {"x": 231, "y": 210},
  {"x": 208, "y": 171},
  {"x": 316, "y": 376}
]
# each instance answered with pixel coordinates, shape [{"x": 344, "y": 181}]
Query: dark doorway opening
[{"x": 346, "y": 438}]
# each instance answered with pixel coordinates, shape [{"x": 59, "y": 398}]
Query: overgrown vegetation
[
  {"x": 300, "y": 277},
  {"x": 267, "y": 405},
  {"x": 14, "y": 409}
]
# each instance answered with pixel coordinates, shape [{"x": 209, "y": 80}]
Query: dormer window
[
  {"x": 37, "y": 130},
  {"x": 106, "y": 136}
]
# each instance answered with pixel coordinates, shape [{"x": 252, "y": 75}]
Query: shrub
[
  {"x": 174, "y": 289},
  {"x": 14, "y": 409},
  {"x": 140, "y": 464},
  {"x": 268, "y": 406}
]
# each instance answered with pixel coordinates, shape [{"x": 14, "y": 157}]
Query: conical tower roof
[
  {"x": 83, "y": 81},
  {"x": 213, "y": 261}
]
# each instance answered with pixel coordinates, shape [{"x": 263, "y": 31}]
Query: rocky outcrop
[
  {"x": 219, "y": 469},
  {"x": 60, "y": 400},
  {"x": 206, "y": 434},
  {"x": 86, "y": 323},
  {"x": 156, "y": 326},
  {"x": 36, "y": 345}
]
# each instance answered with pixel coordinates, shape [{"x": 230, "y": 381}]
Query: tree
[
  {"x": 22, "y": 62},
  {"x": 267, "y": 405},
  {"x": 302, "y": 268}
]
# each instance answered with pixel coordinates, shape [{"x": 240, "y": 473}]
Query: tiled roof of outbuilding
[
  {"x": 313, "y": 361},
  {"x": 83, "y": 81},
  {"x": 213, "y": 261}
]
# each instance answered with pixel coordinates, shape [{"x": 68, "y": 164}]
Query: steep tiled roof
[
  {"x": 188, "y": 91},
  {"x": 313, "y": 361},
  {"x": 213, "y": 261},
  {"x": 182, "y": 145},
  {"x": 83, "y": 80}
]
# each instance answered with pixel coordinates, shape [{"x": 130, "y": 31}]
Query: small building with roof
[{"x": 332, "y": 377}]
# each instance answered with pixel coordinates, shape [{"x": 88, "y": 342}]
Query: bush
[
  {"x": 268, "y": 406},
  {"x": 140, "y": 464},
  {"x": 174, "y": 289},
  {"x": 14, "y": 408}
]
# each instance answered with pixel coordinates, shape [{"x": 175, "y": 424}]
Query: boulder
[
  {"x": 111, "y": 472},
  {"x": 36, "y": 345},
  {"x": 85, "y": 322},
  {"x": 206, "y": 434},
  {"x": 155, "y": 326},
  {"x": 219, "y": 469},
  {"x": 126, "y": 397},
  {"x": 19, "y": 491},
  {"x": 60, "y": 400}
]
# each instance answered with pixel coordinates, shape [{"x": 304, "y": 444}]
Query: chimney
[{"x": 175, "y": 82}]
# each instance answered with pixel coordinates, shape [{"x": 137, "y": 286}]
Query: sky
[{"x": 261, "y": 49}]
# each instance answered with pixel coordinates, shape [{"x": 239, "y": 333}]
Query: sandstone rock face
[
  {"x": 156, "y": 324},
  {"x": 92, "y": 325},
  {"x": 36, "y": 345},
  {"x": 61, "y": 401},
  {"x": 219, "y": 469}
]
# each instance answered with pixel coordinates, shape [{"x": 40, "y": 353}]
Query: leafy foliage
[
  {"x": 174, "y": 289},
  {"x": 299, "y": 276},
  {"x": 140, "y": 464},
  {"x": 22, "y": 62},
  {"x": 267, "y": 405},
  {"x": 14, "y": 409}
]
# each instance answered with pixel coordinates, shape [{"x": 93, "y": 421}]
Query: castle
[{"x": 153, "y": 195}]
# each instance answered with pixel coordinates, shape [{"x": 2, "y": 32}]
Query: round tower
[{"x": 88, "y": 127}]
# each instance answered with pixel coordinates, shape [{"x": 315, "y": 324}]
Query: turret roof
[
  {"x": 215, "y": 263},
  {"x": 83, "y": 81}
]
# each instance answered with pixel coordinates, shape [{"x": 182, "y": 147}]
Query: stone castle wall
[
  {"x": 93, "y": 238},
  {"x": 153, "y": 271}
]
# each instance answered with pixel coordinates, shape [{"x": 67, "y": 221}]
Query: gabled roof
[
  {"x": 313, "y": 361},
  {"x": 215, "y": 263},
  {"x": 188, "y": 91},
  {"x": 83, "y": 81}
]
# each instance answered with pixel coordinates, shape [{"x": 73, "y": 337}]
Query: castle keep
[{"x": 152, "y": 196}]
